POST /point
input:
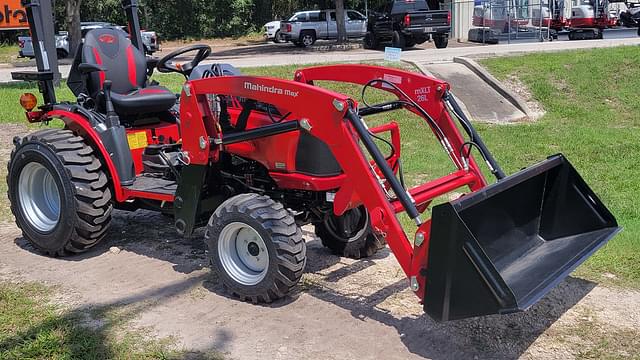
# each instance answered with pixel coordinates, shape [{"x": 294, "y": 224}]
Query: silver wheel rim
[
  {"x": 243, "y": 253},
  {"x": 307, "y": 40},
  {"x": 39, "y": 197}
]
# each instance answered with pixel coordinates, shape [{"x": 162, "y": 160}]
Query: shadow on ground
[
  {"x": 99, "y": 331},
  {"x": 507, "y": 336}
]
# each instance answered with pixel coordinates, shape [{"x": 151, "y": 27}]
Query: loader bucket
[{"x": 501, "y": 249}]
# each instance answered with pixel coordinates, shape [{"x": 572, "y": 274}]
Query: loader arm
[
  {"x": 333, "y": 119},
  {"x": 498, "y": 249}
]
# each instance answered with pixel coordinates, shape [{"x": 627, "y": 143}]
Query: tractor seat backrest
[{"x": 124, "y": 64}]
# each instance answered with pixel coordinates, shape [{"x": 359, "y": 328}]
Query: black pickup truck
[{"x": 406, "y": 23}]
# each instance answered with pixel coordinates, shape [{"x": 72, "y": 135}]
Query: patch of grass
[
  {"x": 590, "y": 338},
  {"x": 31, "y": 327},
  {"x": 9, "y": 54},
  {"x": 591, "y": 98}
]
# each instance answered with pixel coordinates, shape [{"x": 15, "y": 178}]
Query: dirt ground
[{"x": 343, "y": 309}]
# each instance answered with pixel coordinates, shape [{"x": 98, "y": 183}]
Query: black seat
[{"x": 126, "y": 67}]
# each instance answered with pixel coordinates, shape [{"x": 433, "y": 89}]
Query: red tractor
[{"x": 253, "y": 159}]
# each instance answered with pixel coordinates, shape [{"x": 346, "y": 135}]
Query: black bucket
[{"x": 501, "y": 249}]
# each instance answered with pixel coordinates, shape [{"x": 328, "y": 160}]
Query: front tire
[
  {"x": 58, "y": 192},
  {"x": 350, "y": 235},
  {"x": 256, "y": 248},
  {"x": 370, "y": 42},
  {"x": 278, "y": 38}
]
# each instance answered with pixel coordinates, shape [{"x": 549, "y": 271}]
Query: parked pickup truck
[
  {"x": 149, "y": 39},
  {"x": 406, "y": 23},
  {"x": 305, "y": 27}
]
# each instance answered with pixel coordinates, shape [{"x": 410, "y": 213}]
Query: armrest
[{"x": 90, "y": 68}]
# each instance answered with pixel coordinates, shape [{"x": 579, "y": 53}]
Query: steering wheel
[{"x": 167, "y": 65}]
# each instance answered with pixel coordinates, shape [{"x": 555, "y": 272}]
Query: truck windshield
[{"x": 404, "y": 6}]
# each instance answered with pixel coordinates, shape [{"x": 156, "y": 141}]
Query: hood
[{"x": 273, "y": 23}]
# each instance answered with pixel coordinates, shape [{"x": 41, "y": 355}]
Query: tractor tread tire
[
  {"x": 90, "y": 217},
  {"x": 276, "y": 226},
  {"x": 365, "y": 246}
]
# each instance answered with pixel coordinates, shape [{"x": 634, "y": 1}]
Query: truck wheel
[
  {"x": 441, "y": 41},
  {"x": 62, "y": 53},
  {"x": 256, "y": 248},
  {"x": 278, "y": 38},
  {"x": 409, "y": 42},
  {"x": 59, "y": 193},
  {"x": 398, "y": 40},
  {"x": 307, "y": 38},
  {"x": 370, "y": 41},
  {"x": 350, "y": 235}
]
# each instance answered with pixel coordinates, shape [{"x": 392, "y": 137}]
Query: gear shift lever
[{"x": 112, "y": 117}]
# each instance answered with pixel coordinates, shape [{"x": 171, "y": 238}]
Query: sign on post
[
  {"x": 12, "y": 15},
  {"x": 392, "y": 54}
]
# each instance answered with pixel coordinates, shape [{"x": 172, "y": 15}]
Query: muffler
[{"x": 501, "y": 249}]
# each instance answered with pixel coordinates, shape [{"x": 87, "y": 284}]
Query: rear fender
[{"x": 81, "y": 126}]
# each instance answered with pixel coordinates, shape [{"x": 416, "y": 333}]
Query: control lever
[{"x": 112, "y": 117}]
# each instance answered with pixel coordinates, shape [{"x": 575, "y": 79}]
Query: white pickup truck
[{"x": 305, "y": 27}]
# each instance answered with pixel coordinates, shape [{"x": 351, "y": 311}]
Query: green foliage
[
  {"x": 180, "y": 19},
  {"x": 591, "y": 99}
]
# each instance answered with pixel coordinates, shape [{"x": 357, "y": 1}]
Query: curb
[
  {"x": 336, "y": 47},
  {"x": 496, "y": 85}
]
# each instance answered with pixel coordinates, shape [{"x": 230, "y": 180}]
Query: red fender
[{"x": 80, "y": 125}]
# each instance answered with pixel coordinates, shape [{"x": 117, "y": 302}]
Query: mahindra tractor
[{"x": 253, "y": 159}]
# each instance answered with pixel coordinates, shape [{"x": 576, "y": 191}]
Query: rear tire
[
  {"x": 307, "y": 38},
  {"x": 370, "y": 41},
  {"x": 441, "y": 41},
  {"x": 409, "y": 42},
  {"x": 256, "y": 248},
  {"x": 398, "y": 40},
  {"x": 59, "y": 193},
  {"x": 356, "y": 240}
]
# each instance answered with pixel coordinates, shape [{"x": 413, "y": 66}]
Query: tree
[
  {"x": 72, "y": 19},
  {"x": 342, "y": 30}
]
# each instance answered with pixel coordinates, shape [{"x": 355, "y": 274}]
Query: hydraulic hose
[
  {"x": 380, "y": 160},
  {"x": 496, "y": 170}
]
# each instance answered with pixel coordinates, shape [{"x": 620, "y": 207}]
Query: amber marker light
[{"x": 28, "y": 101}]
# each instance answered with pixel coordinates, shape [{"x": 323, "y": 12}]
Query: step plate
[{"x": 155, "y": 185}]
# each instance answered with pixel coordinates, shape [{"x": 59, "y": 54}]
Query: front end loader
[{"x": 253, "y": 159}]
